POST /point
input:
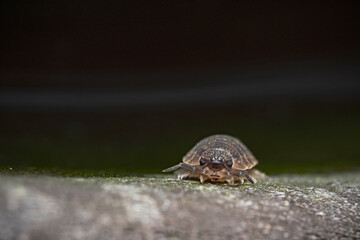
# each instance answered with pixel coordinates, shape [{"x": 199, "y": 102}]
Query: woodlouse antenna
[
  {"x": 171, "y": 168},
  {"x": 249, "y": 178}
]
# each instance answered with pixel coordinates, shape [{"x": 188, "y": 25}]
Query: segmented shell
[{"x": 242, "y": 157}]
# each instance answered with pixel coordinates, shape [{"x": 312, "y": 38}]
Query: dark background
[{"x": 131, "y": 86}]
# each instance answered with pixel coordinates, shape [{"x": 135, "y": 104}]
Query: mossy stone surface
[{"x": 162, "y": 207}]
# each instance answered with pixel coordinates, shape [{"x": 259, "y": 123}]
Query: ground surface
[{"x": 161, "y": 207}]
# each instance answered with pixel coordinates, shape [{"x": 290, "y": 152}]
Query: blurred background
[{"x": 128, "y": 87}]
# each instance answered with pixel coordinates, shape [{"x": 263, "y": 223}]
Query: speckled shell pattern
[{"x": 242, "y": 157}]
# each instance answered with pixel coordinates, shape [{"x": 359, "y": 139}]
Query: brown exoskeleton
[{"x": 218, "y": 158}]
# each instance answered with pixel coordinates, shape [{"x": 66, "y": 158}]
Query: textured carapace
[
  {"x": 222, "y": 146},
  {"x": 218, "y": 158}
]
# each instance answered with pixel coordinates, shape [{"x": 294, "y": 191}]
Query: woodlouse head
[{"x": 216, "y": 159}]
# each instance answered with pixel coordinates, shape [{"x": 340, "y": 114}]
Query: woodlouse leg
[
  {"x": 202, "y": 179},
  {"x": 228, "y": 177},
  {"x": 230, "y": 181},
  {"x": 245, "y": 174},
  {"x": 191, "y": 170},
  {"x": 183, "y": 175}
]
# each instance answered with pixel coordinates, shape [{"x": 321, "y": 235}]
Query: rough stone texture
[{"x": 161, "y": 207}]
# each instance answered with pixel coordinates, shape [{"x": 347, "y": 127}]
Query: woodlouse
[{"x": 218, "y": 158}]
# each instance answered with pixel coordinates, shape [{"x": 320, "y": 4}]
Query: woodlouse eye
[
  {"x": 202, "y": 161},
  {"x": 229, "y": 164}
]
